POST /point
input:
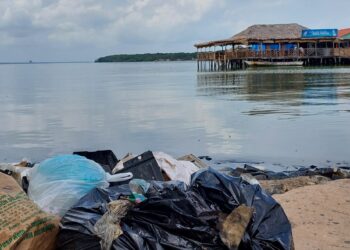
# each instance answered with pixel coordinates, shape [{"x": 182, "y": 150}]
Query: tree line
[{"x": 149, "y": 57}]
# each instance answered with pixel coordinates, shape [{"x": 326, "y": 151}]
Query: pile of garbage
[{"x": 92, "y": 200}]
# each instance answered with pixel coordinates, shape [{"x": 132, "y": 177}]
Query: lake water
[{"x": 290, "y": 116}]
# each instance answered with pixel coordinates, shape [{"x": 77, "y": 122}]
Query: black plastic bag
[
  {"x": 175, "y": 216},
  {"x": 269, "y": 228},
  {"x": 106, "y": 158},
  {"x": 77, "y": 225}
]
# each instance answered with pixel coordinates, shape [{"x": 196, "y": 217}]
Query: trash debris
[
  {"x": 174, "y": 169},
  {"x": 171, "y": 169},
  {"x": 178, "y": 216},
  {"x": 17, "y": 170},
  {"x": 270, "y": 227},
  {"x": 77, "y": 226},
  {"x": 22, "y": 224},
  {"x": 139, "y": 186},
  {"x": 234, "y": 225},
  {"x": 120, "y": 164},
  {"x": 194, "y": 159},
  {"x": 198, "y": 208},
  {"x": 108, "y": 228},
  {"x": 249, "y": 178},
  {"x": 143, "y": 166},
  {"x": 58, "y": 183},
  {"x": 106, "y": 158}
]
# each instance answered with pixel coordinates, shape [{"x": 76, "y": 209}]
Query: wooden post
[
  {"x": 279, "y": 49},
  {"x": 197, "y": 60}
]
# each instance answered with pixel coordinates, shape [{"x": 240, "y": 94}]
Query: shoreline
[
  {"x": 313, "y": 199},
  {"x": 319, "y": 214}
]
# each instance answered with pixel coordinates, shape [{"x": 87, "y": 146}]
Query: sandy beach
[{"x": 319, "y": 214}]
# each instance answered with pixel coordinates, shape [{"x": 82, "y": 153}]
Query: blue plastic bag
[{"x": 58, "y": 183}]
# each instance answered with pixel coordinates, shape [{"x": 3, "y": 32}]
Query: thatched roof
[
  {"x": 270, "y": 32},
  {"x": 261, "y": 32}
]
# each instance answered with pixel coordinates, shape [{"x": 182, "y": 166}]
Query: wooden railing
[
  {"x": 273, "y": 54},
  {"x": 343, "y": 52}
]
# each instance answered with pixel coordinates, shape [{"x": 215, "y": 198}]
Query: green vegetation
[{"x": 181, "y": 56}]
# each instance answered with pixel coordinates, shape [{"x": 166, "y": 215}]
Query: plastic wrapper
[
  {"x": 174, "y": 169},
  {"x": 177, "y": 216},
  {"x": 108, "y": 228}
]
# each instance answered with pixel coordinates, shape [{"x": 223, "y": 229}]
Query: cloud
[
  {"x": 85, "y": 20},
  {"x": 70, "y": 28}
]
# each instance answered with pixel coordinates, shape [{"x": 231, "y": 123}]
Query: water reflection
[
  {"x": 254, "y": 115},
  {"x": 282, "y": 88},
  {"x": 59, "y": 108}
]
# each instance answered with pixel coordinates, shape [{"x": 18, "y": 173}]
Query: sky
[{"x": 83, "y": 30}]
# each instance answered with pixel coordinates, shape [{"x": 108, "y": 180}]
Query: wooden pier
[
  {"x": 234, "y": 59},
  {"x": 273, "y": 43}
]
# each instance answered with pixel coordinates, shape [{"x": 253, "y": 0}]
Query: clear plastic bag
[{"x": 58, "y": 183}]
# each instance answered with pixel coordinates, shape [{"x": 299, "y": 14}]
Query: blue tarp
[
  {"x": 288, "y": 46},
  {"x": 258, "y": 47},
  {"x": 274, "y": 46}
]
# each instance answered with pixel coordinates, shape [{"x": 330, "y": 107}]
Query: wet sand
[{"x": 319, "y": 214}]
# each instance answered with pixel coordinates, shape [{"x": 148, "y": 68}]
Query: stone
[{"x": 284, "y": 185}]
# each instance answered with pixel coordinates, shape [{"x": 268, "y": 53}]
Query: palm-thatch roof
[
  {"x": 261, "y": 32},
  {"x": 270, "y": 32}
]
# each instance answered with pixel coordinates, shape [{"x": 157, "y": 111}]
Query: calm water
[{"x": 288, "y": 116}]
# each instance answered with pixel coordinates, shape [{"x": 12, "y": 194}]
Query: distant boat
[{"x": 266, "y": 63}]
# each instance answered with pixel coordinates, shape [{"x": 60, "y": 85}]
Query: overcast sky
[{"x": 65, "y": 30}]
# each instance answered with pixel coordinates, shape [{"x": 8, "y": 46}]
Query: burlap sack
[{"x": 23, "y": 225}]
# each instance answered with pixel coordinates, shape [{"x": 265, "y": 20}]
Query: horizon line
[{"x": 42, "y": 62}]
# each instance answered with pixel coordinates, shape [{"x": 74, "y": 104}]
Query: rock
[
  {"x": 342, "y": 173},
  {"x": 284, "y": 185},
  {"x": 205, "y": 157}
]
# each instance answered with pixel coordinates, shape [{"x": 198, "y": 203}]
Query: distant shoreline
[
  {"x": 149, "y": 57},
  {"x": 45, "y": 62}
]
